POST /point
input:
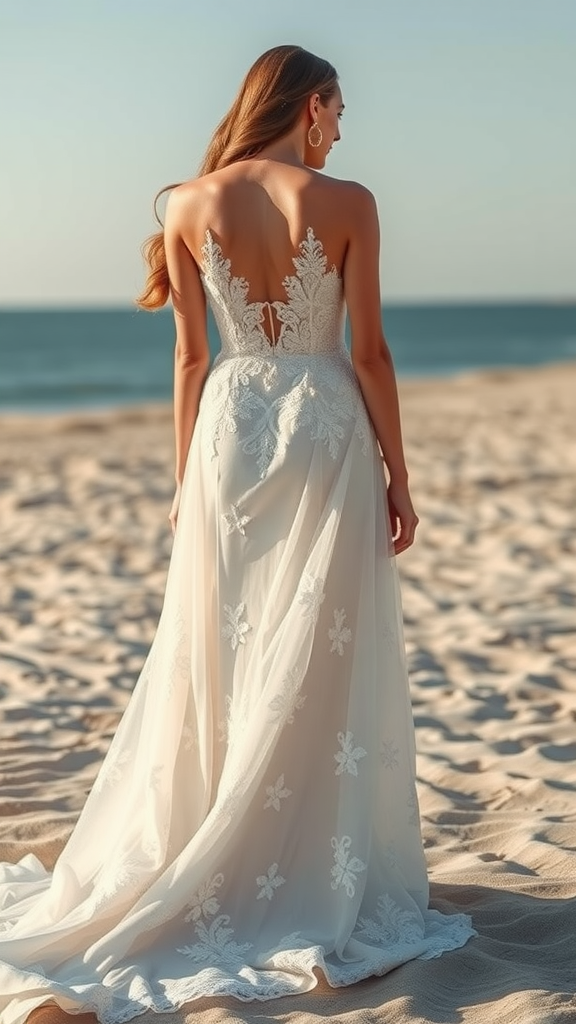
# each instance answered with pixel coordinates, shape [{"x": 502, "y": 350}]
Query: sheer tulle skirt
[{"x": 256, "y": 815}]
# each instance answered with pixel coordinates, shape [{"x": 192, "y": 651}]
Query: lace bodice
[{"x": 311, "y": 320}]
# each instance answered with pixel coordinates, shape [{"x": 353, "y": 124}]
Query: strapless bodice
[{"x": 311, "y": 318}]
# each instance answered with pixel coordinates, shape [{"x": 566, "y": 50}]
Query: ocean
[{"x": 68, "y": 359}]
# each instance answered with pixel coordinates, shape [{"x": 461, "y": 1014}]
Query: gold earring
[{"x": 317, "y": 128}]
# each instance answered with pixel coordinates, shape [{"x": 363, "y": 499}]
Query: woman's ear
[{"x": 313, "y": 103}]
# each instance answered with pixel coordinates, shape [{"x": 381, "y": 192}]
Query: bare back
[{"x": 259, "y": 212}]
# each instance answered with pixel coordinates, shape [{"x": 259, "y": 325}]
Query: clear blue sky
[{"x": 460, "y": 116}]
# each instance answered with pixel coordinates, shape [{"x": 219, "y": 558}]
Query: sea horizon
[{"x": 78, "y": 357}]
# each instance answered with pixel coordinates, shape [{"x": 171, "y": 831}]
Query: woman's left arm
[{"x": 192, "y": 354}]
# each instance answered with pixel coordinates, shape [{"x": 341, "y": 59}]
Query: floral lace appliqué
[
  {"x": 312, "y": 596},
  {"x": 392, "y": 925},
  {"x": 339, "y": 634},
  {"x": 264, "y": 403},
  {"x": 389, "y": 754},
  {"x": 269, "y": 882},
  {"x": 215, "y": 938},
  {"x": 234, "y": 520},
  {"x": 346, "y": 868},
  {"x": 347, "y": 758},
  {"x": 236, "y": 627},
  {"x": 288, "y": 700},
  {"x": 276, "y": 793},
  {"x": 189, "y": 738},
  {"x": 311, "y": 319},
  {"x": 216, "y": 943},
  {"x": 204, "y": 902}
]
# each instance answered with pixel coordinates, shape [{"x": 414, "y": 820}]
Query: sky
[{"x": 460, "y": 117}]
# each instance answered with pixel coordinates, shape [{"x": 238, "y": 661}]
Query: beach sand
[{"x": 489, "y": 595}]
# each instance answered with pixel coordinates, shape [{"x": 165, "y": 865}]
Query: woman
[{"x": 255, "y": 820}]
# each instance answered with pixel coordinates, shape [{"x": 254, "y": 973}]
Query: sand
[{"x": 489, "y": 597}]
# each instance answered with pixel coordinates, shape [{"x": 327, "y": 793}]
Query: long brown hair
[{"x": 267, "y": 107}]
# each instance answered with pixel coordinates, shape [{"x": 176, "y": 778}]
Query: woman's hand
[
  {"x": 403, "y": 518},
  {"x": 173, "y": 517}
]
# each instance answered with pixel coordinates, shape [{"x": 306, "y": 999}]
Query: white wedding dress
[{"x": 256, "y": 816}]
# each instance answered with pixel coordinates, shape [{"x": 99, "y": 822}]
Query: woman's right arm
[
  {"x": 191, "y": 355},
  {"x": 372, "y": 359}
]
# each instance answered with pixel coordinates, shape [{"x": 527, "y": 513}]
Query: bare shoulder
[
  {"x": 187, "y": 207},
  {"x": 184, "y": 199},
  {"x": 194, "y": 202},
  {"x": 358, "y": 199},
  {"x": 355, "y": 202}
]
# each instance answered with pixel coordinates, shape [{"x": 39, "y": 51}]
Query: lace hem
[{"x": 266, "y": 980}]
